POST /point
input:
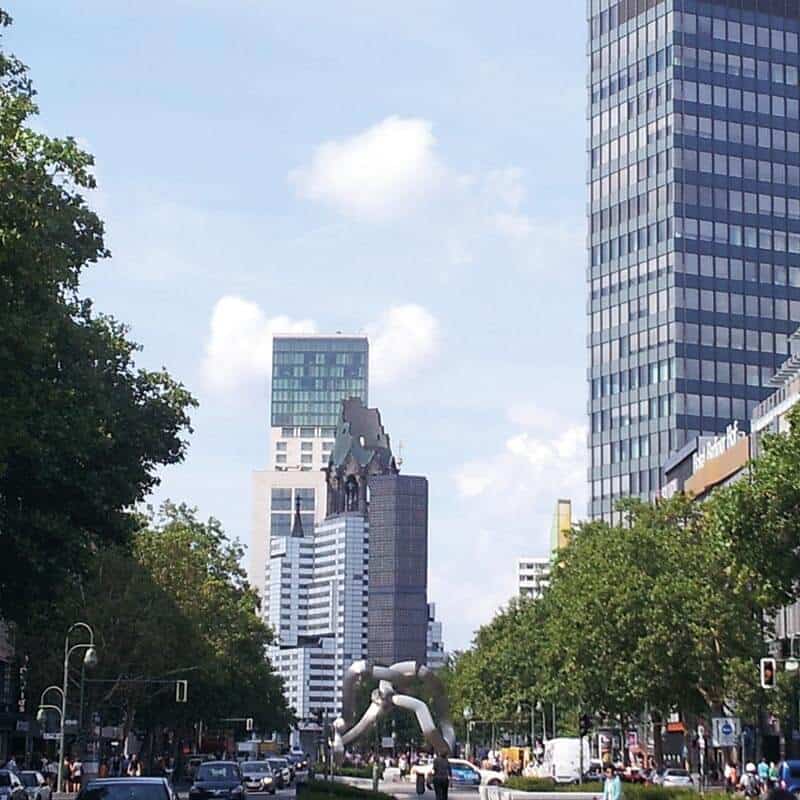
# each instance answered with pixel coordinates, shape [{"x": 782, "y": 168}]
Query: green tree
[{"x": 82, "y": 430}]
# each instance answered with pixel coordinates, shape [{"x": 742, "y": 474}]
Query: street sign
[
  {"x": 51, "y": 737},
  {"x": 387, "y": 741},
  {"x": 725, "y": 731}
]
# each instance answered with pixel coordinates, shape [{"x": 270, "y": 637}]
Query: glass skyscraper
[
  {"x": 694, "y": 225},
  {"x": 311, "y": 375}
]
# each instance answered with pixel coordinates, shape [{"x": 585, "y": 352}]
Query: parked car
[
  {"x": 595, "y": 771},
  {"x": 126, "y": 789},
  {"x": 11, "y": 787},
  {"x": 258, "y": 777},
  {"x": 674, "y": 777},
  {"x": 218, "y": 779},
  {"x": 36, "y": 785},
  {"x": 280, "y": 767},
  {"x": 789, "y": 776}
]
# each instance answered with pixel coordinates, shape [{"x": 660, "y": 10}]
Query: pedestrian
[
  {"x": 134, "y": 767},
  {"x": 612, "y": 786},
  {"x": 441, "y": 776},
  {"x": 403, "y": 765},
  {"x": 11, "y": 764},
  {"x": 726, "y": 774},
  {"x": 773, "y": 775},
  {"x": 763, "y": 772},
  {"x": 76, "y": 772},
  {"x": 102, "y": 771},
  {"x": 750, "y": 784}
]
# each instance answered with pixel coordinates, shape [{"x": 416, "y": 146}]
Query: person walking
[
  {"x": 441, "y": 776},
  {"x": 135, "y": 767},
  {"x": 612, "y": 786},
  {"x": 773, "y": 775},
  {"x": 750, "y": 784}
]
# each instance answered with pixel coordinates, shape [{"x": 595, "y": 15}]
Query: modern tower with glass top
[{"x": 694, "y": 225}]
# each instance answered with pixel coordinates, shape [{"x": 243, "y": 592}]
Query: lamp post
[
  {"x": 540, "y": 707},
  {"x": 41, "y": 717},
  {"x": 89, "y": 660},
  {"x": 467, "y": 719}
]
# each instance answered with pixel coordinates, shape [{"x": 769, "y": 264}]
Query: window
[{"x": 306, "y": 446}]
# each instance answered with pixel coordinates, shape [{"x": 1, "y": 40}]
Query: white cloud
[
  {"x": 402, "y": 342},
  {"x": 529, "y": 474},
  {"x": 379, "y": 173},
  {"x": 239, "y": 348}
]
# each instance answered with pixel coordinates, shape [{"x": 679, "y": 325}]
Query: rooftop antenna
[{"x": 399, "y": 459}]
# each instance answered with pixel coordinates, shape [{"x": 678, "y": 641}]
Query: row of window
[
  {"x": 737, "y": 99},
  {"x": 632, "y": 142},
  {"x": 608, "y": 187},
  {"x": 719, "y": 267},
  {"x": 735, "y": 65},
  {"x": 630, "y": 44},
  {"x": 643, "y": 375},
  {"x": 627, "y": 278},
  {"x": 639, "y": 482},
  {"x": 639, "y": 70},
  {"x": 736, "y": 132},
  {"x": 628, "y": 110},
  {"x": 634, "y": 343},
  {"x": 313, "y": 357},
  {"x": 325, "y": 375},
  {"x": 307, "y": 432},
  {"x": 738, "y": 32}
]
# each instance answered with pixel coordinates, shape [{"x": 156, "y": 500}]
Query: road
[{"x": 405, "y": 790}]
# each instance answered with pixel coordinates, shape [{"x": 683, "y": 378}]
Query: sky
[{"x": 410, "y": 170}]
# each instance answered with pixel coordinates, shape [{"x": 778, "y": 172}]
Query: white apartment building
[
  {"x": 318, "y": 609},
  {"x": 533, "y": 577}
]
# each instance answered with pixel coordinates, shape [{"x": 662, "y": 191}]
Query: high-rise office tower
[
  {"x": 694, "y": 224},
  {"x": 311, "y": 375}
]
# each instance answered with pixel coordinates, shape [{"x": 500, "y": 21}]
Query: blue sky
[{"x": 413, "y": 170}]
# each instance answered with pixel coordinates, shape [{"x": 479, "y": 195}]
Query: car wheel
[{"x": 493, "y": 783}]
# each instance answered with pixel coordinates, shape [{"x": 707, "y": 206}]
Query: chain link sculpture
[{"x": 385, "y": 698}]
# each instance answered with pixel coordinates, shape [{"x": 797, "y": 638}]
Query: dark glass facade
[
  {"x": 694, "y": 225},
  {"x": 311, "y": 375},
  {"x": 398, "y": 569}
]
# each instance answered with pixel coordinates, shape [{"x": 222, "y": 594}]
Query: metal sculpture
[{"x": 345, "y": 730}]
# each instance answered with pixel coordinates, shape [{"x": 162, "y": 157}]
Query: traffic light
[
  {"x": 768, "y": 674},
  {"x": 585, "y": 725},
  {"x": 248, "y": 724},
  {"x": 181, "y": 691}
]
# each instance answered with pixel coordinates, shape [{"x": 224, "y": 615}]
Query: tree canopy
[{"x": 82, "y": 429}]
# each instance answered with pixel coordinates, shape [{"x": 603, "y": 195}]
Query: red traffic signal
[{"x": 768, "y": 673}]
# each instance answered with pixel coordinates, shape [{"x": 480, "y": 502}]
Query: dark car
[
  {"x": 36, "y": 786},
  {"x": 221, "y": 779},
  {"x": 789, "y": 776},
  {"x": 297, "y": 761},
  {"x": 126, "y": 789},
  {"x": 258, "y": 776}
]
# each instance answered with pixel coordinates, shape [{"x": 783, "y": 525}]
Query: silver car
[
  {"x": 679, "y": 778},
  {"x": 36, "y": 786}
]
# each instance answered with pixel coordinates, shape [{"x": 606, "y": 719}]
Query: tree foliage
[
  {"x": 180, "y": 608},
  {"x": 82, "y": 429}
]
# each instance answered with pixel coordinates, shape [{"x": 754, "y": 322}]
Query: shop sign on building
[{"x": 717, "y": 446}]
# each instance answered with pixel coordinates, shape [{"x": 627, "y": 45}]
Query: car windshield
[
  {"x": 29, "y": 779},
  {"x": 132, "y": 790},
  {"x": 677, "y": 773},
  {"x": 279, "y": 762},
  {"x": 217, "y": 772},
  {"x": 5, "y": 779},
  {"x": 255, "y": 769}
]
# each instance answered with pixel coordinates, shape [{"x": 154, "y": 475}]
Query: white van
[{"x": 562, "y": 759}]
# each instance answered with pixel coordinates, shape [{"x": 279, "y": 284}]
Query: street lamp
[
  {"x": 533, "y": 723},
  {"x": 89, "y": 660},
  {"x": 540, "y": 707},
  {"x": 41, "y": 717},
  {"x": 467, "y": 718}
]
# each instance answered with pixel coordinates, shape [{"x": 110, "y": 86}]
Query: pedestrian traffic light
[
  {"x": 585, "y": 725},
  {"x": 768, "y": 674},
  {"x": 248, "y": 724},
  {"x": 181, "y": 691}
]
